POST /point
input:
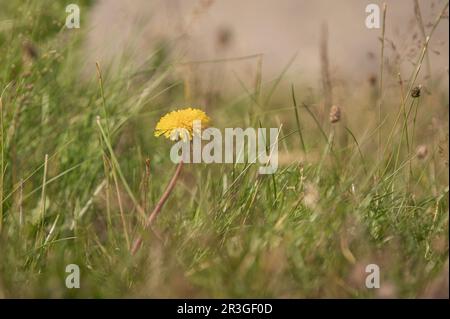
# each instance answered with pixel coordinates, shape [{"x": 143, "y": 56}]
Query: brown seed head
[
  {"x": 335, "y": 114},
  {"x": 29, "y": 51},
  {"x": 415, "y": 92},
  {"x": 422, "y": 151},
  {"x": 224, "y": 37}
]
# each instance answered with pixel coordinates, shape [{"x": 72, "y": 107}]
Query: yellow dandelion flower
[{"x": 180, "y": 124}]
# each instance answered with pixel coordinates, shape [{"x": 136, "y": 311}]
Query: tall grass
[{"x": 81, "y": 171}]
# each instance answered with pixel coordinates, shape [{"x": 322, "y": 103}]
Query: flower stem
[{"x": 159, "y": 205}]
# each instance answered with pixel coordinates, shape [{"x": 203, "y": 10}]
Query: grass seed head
[
  {"x": 415, "y": 92},
  {"x": 335, "y": 114},
  {"x": 422, "y": 151}
]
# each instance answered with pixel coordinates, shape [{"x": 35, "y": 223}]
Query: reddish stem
[{"x": 159, "y": 205}]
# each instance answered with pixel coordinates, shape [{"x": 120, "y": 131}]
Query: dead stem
[{"x": 159, "y": 205}]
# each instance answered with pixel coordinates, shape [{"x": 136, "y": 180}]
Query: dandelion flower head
[{"x": 180, "y": 124}]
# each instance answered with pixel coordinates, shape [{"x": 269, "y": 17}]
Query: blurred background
[
  {"x": 367, "y": 184},
  {"x": 282, "y": 31}
]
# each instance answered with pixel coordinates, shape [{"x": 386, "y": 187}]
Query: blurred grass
[{"x": 307, "y": 231}]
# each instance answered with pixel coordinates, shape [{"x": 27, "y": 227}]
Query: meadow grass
[{"x": 81, "y": 170}]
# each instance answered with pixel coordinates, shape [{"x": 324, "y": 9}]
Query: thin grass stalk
[
  {"x": 138, "y": 242},
  {"x": 380, "y": 96}
]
